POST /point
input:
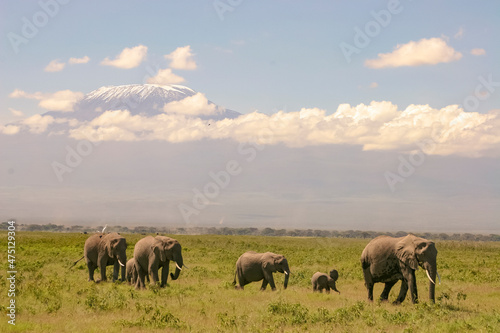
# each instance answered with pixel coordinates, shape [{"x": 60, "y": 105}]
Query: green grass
[{"x": 51, "y": 297}]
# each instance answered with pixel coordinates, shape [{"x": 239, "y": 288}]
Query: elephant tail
[
  {"x": 234, "y": 281},
  {"x": 76, "y": 262}
]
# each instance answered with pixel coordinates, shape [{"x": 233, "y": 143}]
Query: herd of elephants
[{"x": 385, "y": 259}]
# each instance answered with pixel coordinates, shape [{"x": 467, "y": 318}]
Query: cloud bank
[
  {"x": 377, "y": 126},
  {"x": 62, "y": 100},
  {"x": 423, "y": 52}
]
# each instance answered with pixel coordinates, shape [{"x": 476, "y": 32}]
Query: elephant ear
[
  {"x": 334, "y": 274},
  {"x": 405, "y": 251},
  {"x": 110, "y": 246},
  {"x": 159, "y": 246},
  {"x": 269, "y": 263}
]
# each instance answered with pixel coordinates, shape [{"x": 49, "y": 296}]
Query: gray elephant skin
[
  {"x": 154, "y": 253},
  {"x": 322, "y": 281},
  {"x": 131, "y": 274},
  {"x": 252, "y": 266},
  {"x": 387, "y": 259},
  {"x": 103, "y": 250}
]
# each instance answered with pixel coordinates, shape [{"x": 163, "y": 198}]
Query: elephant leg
[
  {"x": 402, "y": 292},
  {"x": 116, "y": 270},
  {"x": 91, "y": 268},
  {"x": 154, "y": 275},
  {"x": 102, "y": 269},
  {"x": 412, "y": 283},
  {"x": 368, "y": 282},
  {"x": 268, "y": 277},
  {"x": 141, "y": 275},
  {"x": 387, "y": 289},
  {"x": 264, "y": 285},
  {"x": 327, "y": 289}
]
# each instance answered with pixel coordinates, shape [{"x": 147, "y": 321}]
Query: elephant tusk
[
  {"x": 121, "y": 263},
  {"x": 286, "y": 273},
  {"x": 426, "y": 271},
  {"x": 439, "y": 277},
  {"x": 178, "y": 267}
]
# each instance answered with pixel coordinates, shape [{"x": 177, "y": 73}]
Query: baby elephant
[{"x": 322, "y": 281}]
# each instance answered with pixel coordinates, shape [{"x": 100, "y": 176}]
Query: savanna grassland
[{"x": 50, "y": 297}]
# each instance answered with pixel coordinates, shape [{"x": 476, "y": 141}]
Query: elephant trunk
[
  {"x": 287, "y": 276},
  {"x": 122, "y": 260},
  {"x": 431, "y": 271},
  {"x": 178, "y": 267}
]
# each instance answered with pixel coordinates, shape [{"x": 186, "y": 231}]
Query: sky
[{"x": 379, "y": 115}]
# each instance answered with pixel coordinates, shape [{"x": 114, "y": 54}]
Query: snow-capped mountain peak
[{"x": 139, "y": 99}]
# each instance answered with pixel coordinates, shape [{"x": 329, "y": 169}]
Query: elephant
[
  {"x": 153, "y": 253},
  {"x": 131, "y": 272},
  {"x": 322, "y": 281},
  {"x": 252, "y": 266},
  {"x": 387, "y": 259},
  {"x": 103, "y": 250}
]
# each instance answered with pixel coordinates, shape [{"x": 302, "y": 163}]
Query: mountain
[{"x": 139, "y": 99}]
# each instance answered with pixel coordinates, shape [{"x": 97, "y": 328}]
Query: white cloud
[
  {"x": 460, "y": 33},
  {"x": 182, "y": 58},
  {"x": 55, "y": 66},
  {"x": 62, "y": 100},
  {"x": 9, "y": 129},
  {"x": 38, "y": 124},
  {"x": 192, "y": 106},
  {"x": 75, "y": 61},
  {"x": 18, "y": 93},
  {"x": 478, "y": 52},
  {"x": 377, "y": 126},
  {"x": 128, "y": 58},
  {"x": 423, "y": 52},
  {"x": 165, "y": 77},
  {"x": 16, "y": 113}
]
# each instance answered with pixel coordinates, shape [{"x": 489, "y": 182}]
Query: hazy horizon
[{"x": 353, "y": 117}]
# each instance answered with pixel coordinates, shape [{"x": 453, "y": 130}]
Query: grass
[{"x": 52, "y": 298}]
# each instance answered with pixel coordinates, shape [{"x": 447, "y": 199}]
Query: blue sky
[
  {"x": 338, "y": 150},
  {"x": 264, "y": 55}
]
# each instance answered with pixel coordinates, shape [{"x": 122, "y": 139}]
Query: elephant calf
[
  {"x": 252, "y": 266},
  {"x": 131, "y": 272},
  {"x": 322, "y": 281}
]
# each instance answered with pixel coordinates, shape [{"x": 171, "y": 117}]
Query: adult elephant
[
  {"x": 153, "y": 253},
  {"x": 103, "y": 250},
  {"x": 252, "y": 266},
  {"x": 387, "y": 259},
  {"x": 322, "y": 281}
]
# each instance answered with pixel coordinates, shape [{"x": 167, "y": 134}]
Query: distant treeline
[{"x": 251, "y": 231}]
